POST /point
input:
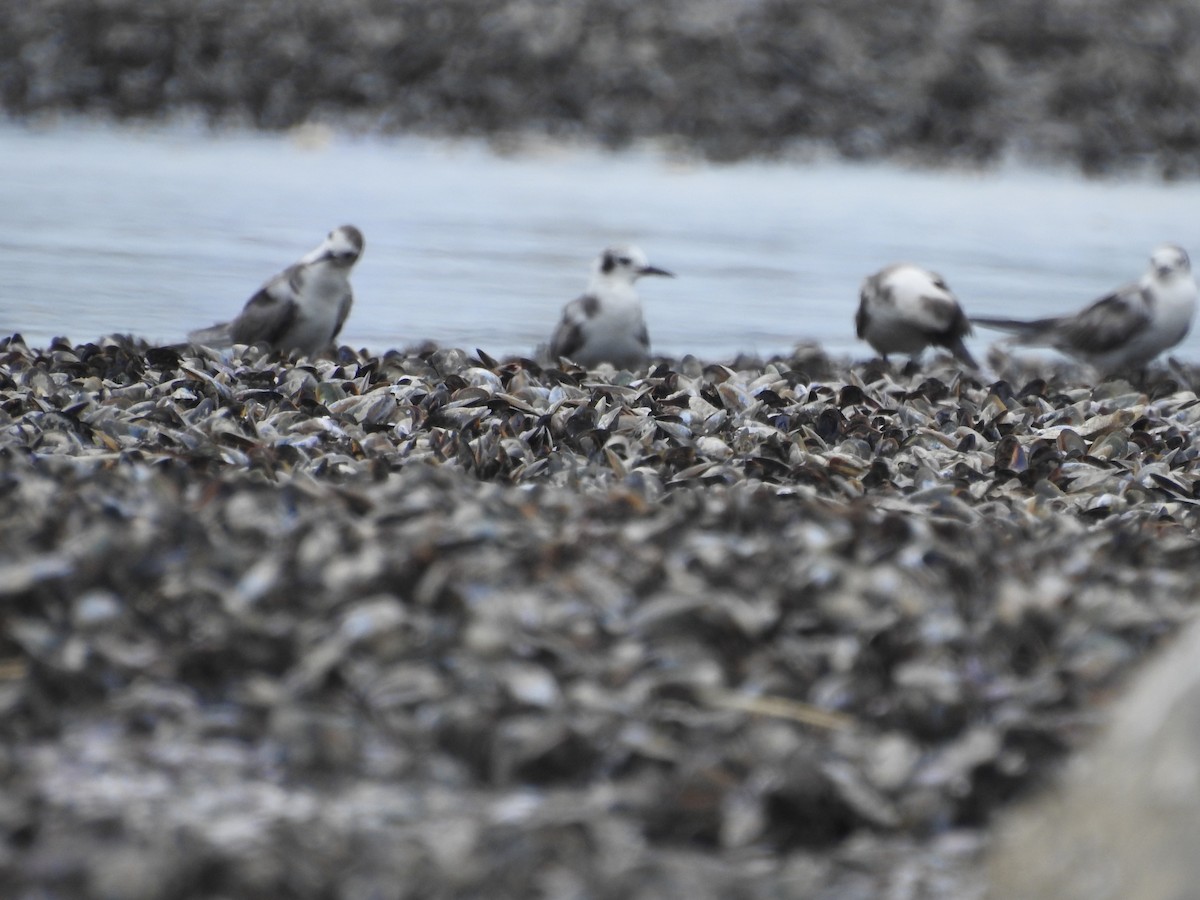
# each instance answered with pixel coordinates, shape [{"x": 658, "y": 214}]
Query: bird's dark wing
[
  {"x": 1105, "y": 325},
  {"x": 940, "y": 315},
  {"x": 568, "y": 336},
  {"x": 269, "y": 314}
]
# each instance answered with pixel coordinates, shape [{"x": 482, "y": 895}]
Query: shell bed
[{"x": 432, "y": 624}]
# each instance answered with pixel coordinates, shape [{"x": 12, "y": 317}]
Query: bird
[
  {"x": 605, "y": 325},
  {"x": 1125, "y": 329},
  {"x": 904, "y": 308},
  {"x": 301, "y": 309}
]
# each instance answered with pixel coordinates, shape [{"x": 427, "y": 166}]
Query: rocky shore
[
  {"x": 431, "y": 624},
  {"x": 1103, "y": 86}
]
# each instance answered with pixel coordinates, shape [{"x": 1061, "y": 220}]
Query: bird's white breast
[
  {"x": 318, "y": 305},
  {"x": 1175, "y": 308},
  {"x": 614, "y": 330}
]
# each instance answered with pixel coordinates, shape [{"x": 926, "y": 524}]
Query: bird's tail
[
  {"x": 1022, "y": 328},
  {"x": 961, "y": 353},
  {"x": 217, "y": 336},
  {"x": 1018, "y": 327}
]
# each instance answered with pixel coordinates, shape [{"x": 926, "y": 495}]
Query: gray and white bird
[
  {"x": 1125, "y": 329},
  {"x": 606, "y": 325},
  {"x": 302, "y": 308},
  {"x": 904, "y": 309}
]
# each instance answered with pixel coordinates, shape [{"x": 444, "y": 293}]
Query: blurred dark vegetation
[{"x": 1104, "y": 85}]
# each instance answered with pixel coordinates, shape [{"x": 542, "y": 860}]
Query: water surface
[{"x": 158, "y": 231}]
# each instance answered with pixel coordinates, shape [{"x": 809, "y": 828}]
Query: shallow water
[{"x": 158, "y": 231}]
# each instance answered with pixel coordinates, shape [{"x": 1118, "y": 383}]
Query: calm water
[{"x": 155, "y": 232}]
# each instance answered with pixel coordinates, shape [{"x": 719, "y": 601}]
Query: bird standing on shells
[
  {"x": 605, "y": 325},
  {"x": 1125, "y": 329},
  {"x": 302, "y": 308},
  {"x": 904, "y": 309}
]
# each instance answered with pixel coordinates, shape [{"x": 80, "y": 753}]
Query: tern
[
  {"x": 904, "y": 309},
  {"x": 301, "y": 309},
  {"x": 1125, "y": 329},
  {"x": 606, "y": 325}
]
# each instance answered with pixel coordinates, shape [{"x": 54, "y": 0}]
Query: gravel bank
[
  {"x": 1102, "y": 86},
  {"x": 430, "y": 625}
]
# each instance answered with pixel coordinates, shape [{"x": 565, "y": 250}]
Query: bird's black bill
[{"x": 655, "y": 270}]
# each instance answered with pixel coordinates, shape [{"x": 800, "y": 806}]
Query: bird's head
[
  {"x": 343, "y": 246},
  {"x": 1170, "y": 260},
  {"x": 626, "y": 264}
]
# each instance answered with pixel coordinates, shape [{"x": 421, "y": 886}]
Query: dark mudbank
[{"x": 1102, "y": 85}]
